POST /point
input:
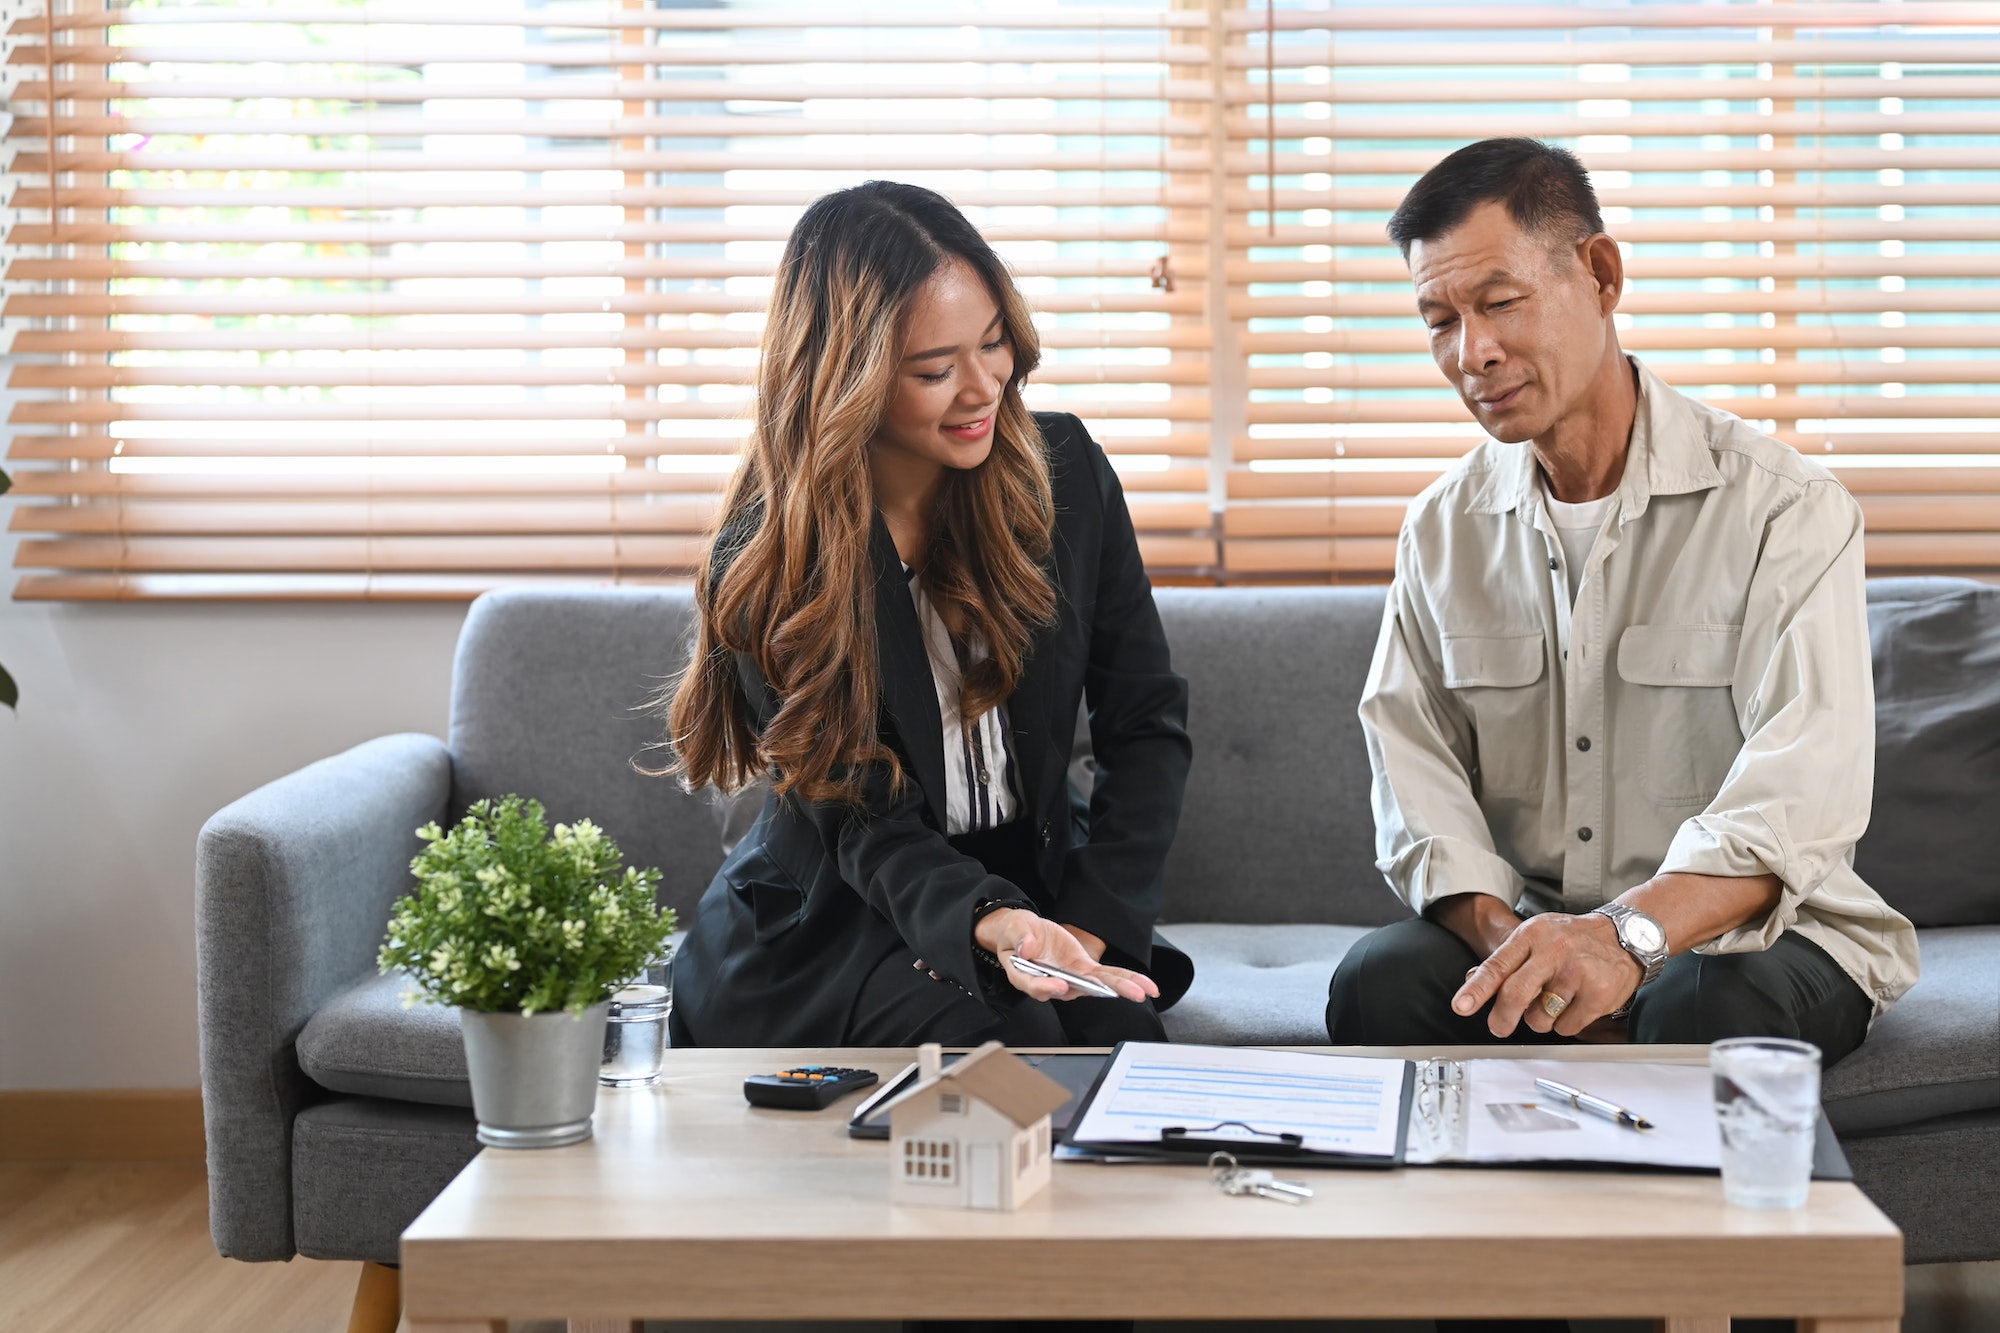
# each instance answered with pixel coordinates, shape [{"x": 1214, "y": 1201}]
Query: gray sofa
[{"x": 334, "y": 1115}]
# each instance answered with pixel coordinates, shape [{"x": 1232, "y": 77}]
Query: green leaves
[{"x": 509, "y": 918}]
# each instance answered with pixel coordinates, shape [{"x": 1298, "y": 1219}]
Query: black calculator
[{"x": 807, "y": 1088}]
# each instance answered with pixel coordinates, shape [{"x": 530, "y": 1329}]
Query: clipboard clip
[{"x": 1181, "y": 1138}]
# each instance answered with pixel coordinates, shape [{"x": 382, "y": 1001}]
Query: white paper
[
  {"x": 1338, "y": 1103},
  {"x": 1678, "y": 1099}
]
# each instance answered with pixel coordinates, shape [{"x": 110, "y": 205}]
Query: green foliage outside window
[{"x": 508, "y": 917}]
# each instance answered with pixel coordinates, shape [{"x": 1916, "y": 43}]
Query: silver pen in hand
[
  {"x": 1583, "y": 1101},
  {"x": 1088, "y": 985}
]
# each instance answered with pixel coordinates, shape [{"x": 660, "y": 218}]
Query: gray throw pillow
[{"x": 1933, "y": 844}]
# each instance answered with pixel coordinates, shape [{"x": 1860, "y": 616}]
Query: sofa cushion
[
  {"x": 362, "y": 1170},
  {"x": 1934, "y": 837},
  {"x": 363, "y": 1041},
  {"x": 1937, "y": 1051},
  {"x": 1257, "y": 984}
]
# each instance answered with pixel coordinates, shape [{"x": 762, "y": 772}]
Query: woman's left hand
[{"x": 1037, "y": 939}]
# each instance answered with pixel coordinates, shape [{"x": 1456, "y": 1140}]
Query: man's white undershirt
[{"x": 1577, "y": 527}]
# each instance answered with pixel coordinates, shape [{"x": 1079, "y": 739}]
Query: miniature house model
[{"x": 975, "y": 1135}]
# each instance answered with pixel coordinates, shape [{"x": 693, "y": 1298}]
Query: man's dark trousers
[{"x": 1394, "y": 988}]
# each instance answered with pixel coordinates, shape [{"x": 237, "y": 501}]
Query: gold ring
[{"x": 1553, "y": 1004}]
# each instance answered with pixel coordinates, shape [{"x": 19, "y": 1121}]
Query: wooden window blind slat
[
  {"x": 1732, "y": 49},
  {"x": 355, "y": 450},
  {"x": 34, "y": 88},
  {"x": 871, "y": 17},
  {"x": 404, "y": 302},
  {"x": 1357, "y": 18},
  {"x": 597, "y": 53},
  {"x": 1502, "y": 18},
  {"x": 481, "y": 407},
  {"x": 683, "y": 340}
]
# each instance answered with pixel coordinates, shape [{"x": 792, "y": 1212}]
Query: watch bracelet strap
[
  {"x": 985, "y": 908},
  {"x": 1648, "y": 972}
]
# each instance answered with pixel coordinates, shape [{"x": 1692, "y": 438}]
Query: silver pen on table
[{"x": 1583, "y": 1101}]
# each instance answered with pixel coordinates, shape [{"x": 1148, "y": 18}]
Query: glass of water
[
  {"x": 635, "y": 1035},
  {"x": 1767, "y": 1100}
]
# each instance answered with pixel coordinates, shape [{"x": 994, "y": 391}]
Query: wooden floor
[{"x": 124, "y": 1248}]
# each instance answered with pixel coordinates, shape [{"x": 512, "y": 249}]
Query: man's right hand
[{"x": 1484, "y": 922}]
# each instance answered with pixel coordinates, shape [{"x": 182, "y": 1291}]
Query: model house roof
[{"x": 1017, "y": 1090}]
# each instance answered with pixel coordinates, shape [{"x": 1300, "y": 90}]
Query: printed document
[
  {"x": 1338, "y": 1104},
  {"x": 1489, "y": 1110}
]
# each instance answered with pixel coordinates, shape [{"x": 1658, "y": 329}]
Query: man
[{"x": 1620, "y": 716}]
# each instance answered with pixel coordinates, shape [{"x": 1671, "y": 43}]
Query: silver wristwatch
[{"x": 1641, "y": 936}]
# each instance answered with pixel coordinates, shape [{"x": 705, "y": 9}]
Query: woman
[{"x": 915, "y": 584}]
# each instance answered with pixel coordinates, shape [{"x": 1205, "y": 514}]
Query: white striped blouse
[{"x": 979, "y": 768}]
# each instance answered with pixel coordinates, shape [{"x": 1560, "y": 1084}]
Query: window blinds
[
  {"x": 410, "y": 300},
  {"x": 1806, "y": 193},
  {"x": 413, "y": 300}
]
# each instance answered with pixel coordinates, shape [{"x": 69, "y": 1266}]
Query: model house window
[
  {"x": 929, "y": 1160},
  {"x": 951, "y": 1103},
  {"x": 367, "y": 302}
]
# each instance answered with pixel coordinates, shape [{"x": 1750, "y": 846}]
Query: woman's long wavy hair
[{"x": 788, "y": 578}]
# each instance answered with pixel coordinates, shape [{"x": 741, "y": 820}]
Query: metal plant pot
[{"x": 534, "y": 1076}]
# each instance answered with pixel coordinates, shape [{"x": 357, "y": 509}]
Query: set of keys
[{"x": 1233, "y": 1178}]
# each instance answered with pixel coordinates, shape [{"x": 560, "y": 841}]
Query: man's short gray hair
[{"x": 1544, "y": 189}]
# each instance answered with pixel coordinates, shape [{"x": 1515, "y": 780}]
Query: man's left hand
[{"x": 1577, "y": 958}]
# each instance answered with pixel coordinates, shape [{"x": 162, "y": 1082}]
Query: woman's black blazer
[{"x": 817, "y": 895}]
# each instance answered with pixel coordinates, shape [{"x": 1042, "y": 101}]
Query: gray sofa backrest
[
  {"x": 1276, "y": 825},
  {"x": 551, "y": 687},
  {"x": 1933, "y": 844},
  {"x": 550, "y": 691},
  {"x": 549, "y": 699}
]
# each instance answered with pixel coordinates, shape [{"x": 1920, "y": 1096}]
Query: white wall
[{"x": 137, "y": 722}]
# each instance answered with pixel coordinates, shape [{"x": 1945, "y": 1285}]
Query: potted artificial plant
[{"x": 528, "y": 932}]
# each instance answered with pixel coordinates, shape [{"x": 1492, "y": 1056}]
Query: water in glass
[
  {"x": 1767, "y": 1101},
  {"x": 635, "y": 1034}
]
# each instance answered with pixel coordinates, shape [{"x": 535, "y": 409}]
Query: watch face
[{"x": 1644, "y": 934}]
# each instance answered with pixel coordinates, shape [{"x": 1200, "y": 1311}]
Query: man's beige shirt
[{"x": 1706, "y": 706}]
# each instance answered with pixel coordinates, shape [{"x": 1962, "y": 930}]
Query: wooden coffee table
[{"x": 689, "y": 1204}]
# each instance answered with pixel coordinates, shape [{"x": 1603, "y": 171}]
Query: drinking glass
[
  {"x": 1767, "y": 1102},
  {"x": 635, "y": 1034}
]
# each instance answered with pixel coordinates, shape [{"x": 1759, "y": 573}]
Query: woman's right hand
[{"x": 1014, "y": 930}]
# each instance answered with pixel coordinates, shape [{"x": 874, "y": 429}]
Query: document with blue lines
[{"x": 1350, "y": 1106}]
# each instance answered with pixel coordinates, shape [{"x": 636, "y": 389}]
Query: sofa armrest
[{"x": 293, "y": 885}]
